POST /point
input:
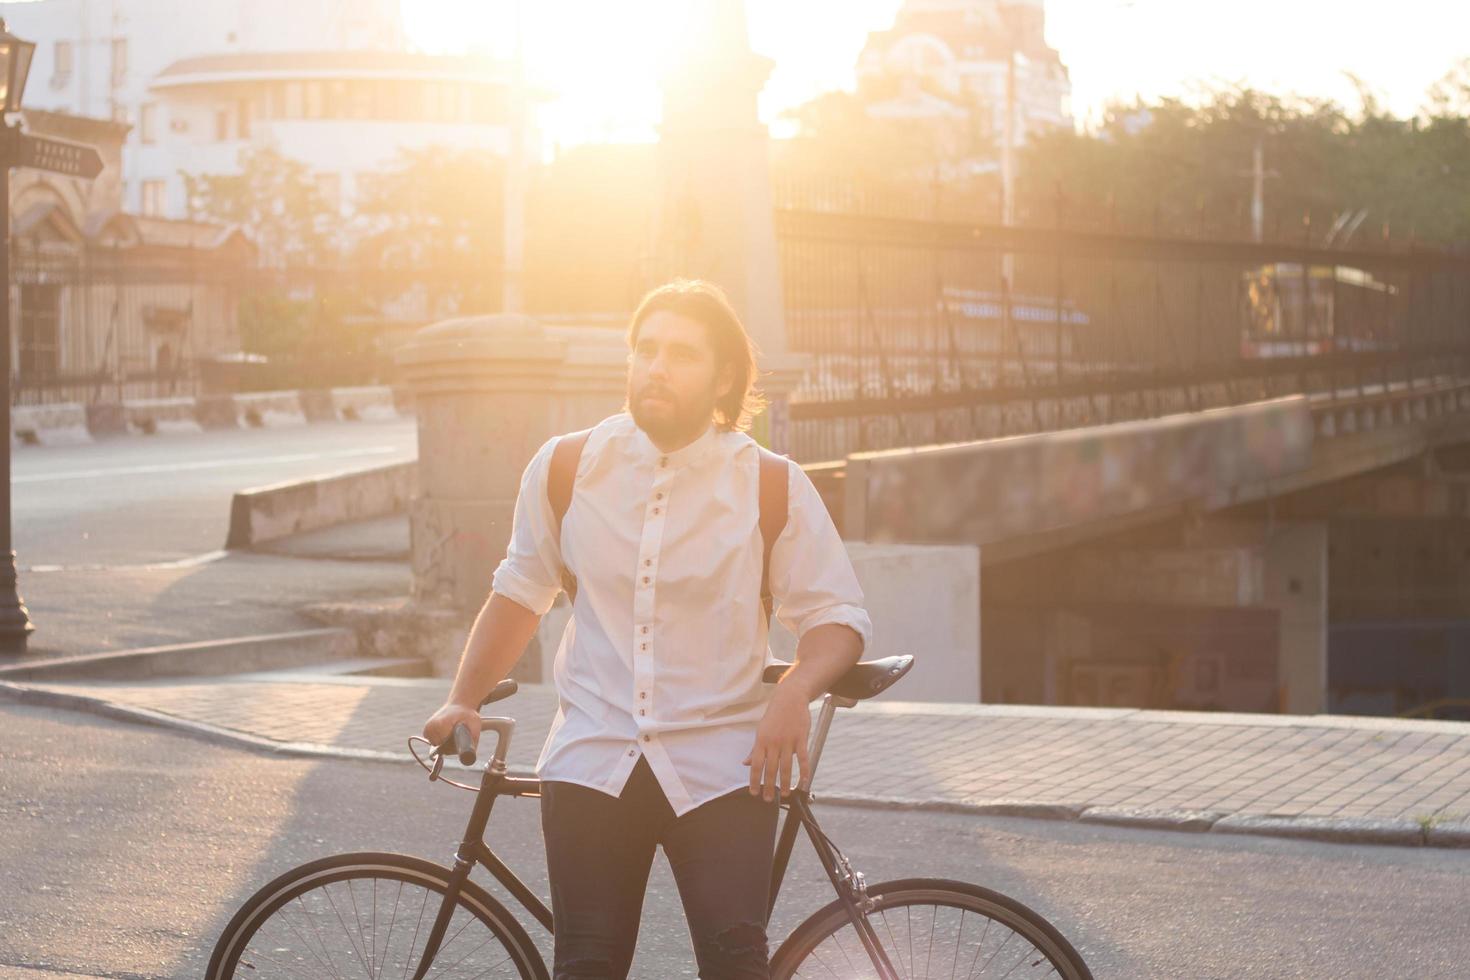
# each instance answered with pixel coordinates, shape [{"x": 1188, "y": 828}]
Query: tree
[
  {"x": 276, "y": 200},
  {"x": 436, "y": 219}
]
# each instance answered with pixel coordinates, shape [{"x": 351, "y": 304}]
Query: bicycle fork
[{"x": 464, "y": 860}]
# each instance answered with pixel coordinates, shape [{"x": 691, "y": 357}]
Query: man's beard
[{"x": 683, "y": 421}]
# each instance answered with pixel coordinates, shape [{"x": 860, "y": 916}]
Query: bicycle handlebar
[{"x": 460, "y": 742}]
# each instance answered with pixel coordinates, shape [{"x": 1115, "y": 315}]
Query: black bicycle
[{"x": 379, "y": 915}]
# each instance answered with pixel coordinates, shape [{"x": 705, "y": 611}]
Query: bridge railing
[{"x": 925, "y": 331}]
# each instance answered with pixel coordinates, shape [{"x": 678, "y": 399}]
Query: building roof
[
  {"x": 327, "y": 64},
  {"x": 174, "y": 233},
  {"x": 67, "y": 125}
]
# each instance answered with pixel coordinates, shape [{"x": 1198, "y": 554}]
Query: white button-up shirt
[{"x": 663, "y": 654}]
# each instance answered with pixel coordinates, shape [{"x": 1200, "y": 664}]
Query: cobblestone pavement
[{"x": 1364, "y": 779}]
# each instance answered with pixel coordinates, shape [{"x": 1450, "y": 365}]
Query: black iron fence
[
  {"x": 102, "y": 330},
  {"x": 929, "y": 331}
]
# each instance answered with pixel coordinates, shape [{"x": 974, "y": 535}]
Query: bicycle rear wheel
[
  {"x": 932, "y": 927},
  {"x": 369, "y": 915}
]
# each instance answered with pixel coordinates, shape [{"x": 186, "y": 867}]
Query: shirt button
[
  {"x": 658, "y": 496},
  {"x": 645, "y": 646},
  {"x": 647, "y": 737},
  {"x": 647, "y": 562},
  {"x": 645, "y": 580},
  {"x": 645, "y": 629},
  {"x": 632, "y": 752},
  {"x": 663, "y": 461},
  {"x": 643, "y": 694},
  {"x": 642, "y": 712},
  {"x": 656, "y": 510}
]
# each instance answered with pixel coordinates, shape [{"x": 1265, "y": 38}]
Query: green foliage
[
  {"x": 439, "y": 212},
  {"x": 1185, "y": 169},
  {"x": 278, "y": 203}
]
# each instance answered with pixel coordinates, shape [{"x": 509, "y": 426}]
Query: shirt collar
[{"x": 683, "y": 456}]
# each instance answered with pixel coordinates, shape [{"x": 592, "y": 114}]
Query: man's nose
[{"x": 658, "y": 368}]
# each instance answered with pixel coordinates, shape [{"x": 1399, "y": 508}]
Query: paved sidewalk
[{"x": 1327, "y": 777}]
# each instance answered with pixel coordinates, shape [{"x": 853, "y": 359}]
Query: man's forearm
[
  {"x": 496, "y": 641},
  {"x": 824, "y": 654}
]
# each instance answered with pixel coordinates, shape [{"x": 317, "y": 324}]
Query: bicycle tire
[
  {"x": 827, "y": 945},
  {"x": 262, "y": 922}
]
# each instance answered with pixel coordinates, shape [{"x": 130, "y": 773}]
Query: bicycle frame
[{"x": 849, "y": 884}]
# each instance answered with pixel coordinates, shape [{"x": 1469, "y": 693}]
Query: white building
[
  {"x": 946, "y": 61},
  {"x": 332, "y": 83}
]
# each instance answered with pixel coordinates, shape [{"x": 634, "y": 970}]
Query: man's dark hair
[{"x": 707, "y": 303}]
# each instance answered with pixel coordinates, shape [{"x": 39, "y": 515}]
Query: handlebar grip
[
  {"x": 464, "y": 744},
  {"x": 501, "y": 691}
]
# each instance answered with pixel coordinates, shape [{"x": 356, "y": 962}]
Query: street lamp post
[{"x": 15, "y": 64}]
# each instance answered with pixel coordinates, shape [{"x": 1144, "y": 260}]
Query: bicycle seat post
[{"x": 830, "y": 704}]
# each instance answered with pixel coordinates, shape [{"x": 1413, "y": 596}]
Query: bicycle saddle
[{"x": 865, "y": 680}]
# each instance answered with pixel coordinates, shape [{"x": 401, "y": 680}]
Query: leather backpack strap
[
  {"x": 560, "y": 479},
  {"x": 774, "y": 474}
]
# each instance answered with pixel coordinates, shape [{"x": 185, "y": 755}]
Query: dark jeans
[{"x": 598, "y": 854}]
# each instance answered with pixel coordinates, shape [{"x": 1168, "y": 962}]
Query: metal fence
[
  {"x": 104, "y": 330},
  {"x": 929, "y": 331}
]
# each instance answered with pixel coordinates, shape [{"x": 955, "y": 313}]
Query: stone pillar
[
  {"x": 489, "y": 391},
  {"x": 717, "y": 217},
  {"x": 1296, "y": 585}
]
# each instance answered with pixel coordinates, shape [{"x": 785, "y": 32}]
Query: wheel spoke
[
  {"x": 1024, "y": 944},
  {"x": 274, "y": 944},
  {"x": 392, "y": 920},
  {"x": 959, "y": 941},
  {"x": 414, "y": 943},
  {"x": 327, "y": 891}
]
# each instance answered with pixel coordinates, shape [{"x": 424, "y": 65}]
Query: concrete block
[
  {"x": 372, "y": 404},
  {"x": 61, "y": 424},
  {"x": 269, "y": 409},
  {"x": 266, "y": 513},
  {"x": 217, "y": 412},
  {"x": 923, "y": 600},
  {"x": 316, "y": 404},
  {"x": 150, "y": 416}
]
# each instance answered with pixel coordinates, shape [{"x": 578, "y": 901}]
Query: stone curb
[
  {"x": 1346, "y": 830},
  {"x": 1195, "y": 821}
]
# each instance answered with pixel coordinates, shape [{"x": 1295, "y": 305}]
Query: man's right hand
[{"x": 441, "y": 723}]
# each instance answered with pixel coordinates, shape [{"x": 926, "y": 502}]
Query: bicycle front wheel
[
  {"x": 931, "y": 927},
  {"x": 369, "y": 915}
]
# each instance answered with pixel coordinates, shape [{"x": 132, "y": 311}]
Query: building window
[
  {"x": 119, "y": 60},
  {"x": 221, "y": 125},
  {"x": 148, "y": 122},
  {"x": 61, "y": 64},
  {"x": 242, "y": 113},
  {"x": 40, "y": 331},
  {"x": 154, "y": 198},
  {"x": 315, "y": 98},
  {"x": 295, "y": 99}
]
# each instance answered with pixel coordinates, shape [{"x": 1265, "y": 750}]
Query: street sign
[{"x": 58, "y": 156}]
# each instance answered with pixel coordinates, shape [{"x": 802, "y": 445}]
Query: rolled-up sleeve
[
  {"x": 530, "y": 573},
  {"x": 812, "y": 579}
]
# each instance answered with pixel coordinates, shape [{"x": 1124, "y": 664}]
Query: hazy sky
[{"x": 604, "y": 55}]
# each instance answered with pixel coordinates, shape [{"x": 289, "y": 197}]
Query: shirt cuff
[
  {"x": 853, "y": 617},
  {"x": 519, "y": 589}
]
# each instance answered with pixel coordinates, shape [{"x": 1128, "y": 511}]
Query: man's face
[{"x": 674, "y": 379}]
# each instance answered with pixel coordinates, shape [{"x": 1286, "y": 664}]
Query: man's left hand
[{"x": 781, "y": 735}]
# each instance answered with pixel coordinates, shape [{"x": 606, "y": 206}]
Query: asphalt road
[
  {"x": 118, "y": 542},
  {"x": 126, "y": 849},
  {"x": 140, "y": 499}
]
